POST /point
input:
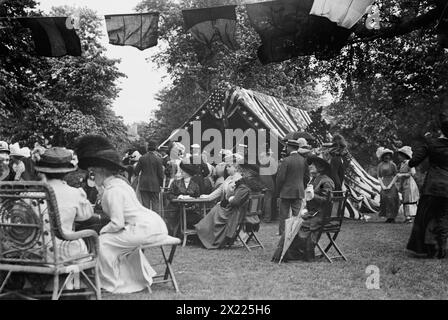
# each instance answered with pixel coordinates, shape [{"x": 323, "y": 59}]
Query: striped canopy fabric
[
  {"x": 261, "y": 111},
  {"x": 53, "y": 36},
  {"x": 211, "y": 24},
  {"x": 139, "y": 30}
]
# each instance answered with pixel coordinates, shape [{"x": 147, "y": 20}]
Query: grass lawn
[{"x": 238, "y": 274}]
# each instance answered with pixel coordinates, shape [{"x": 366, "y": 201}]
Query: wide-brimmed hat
[
  {"x": 406, "y": 151},
  {"x": 97, "y": 151},
  {"x": 319, "y": 162},
  {"x": 191, "y": 169},
  {"x": 56, "y": 160},
  {"x": 4, "y": 147},
  {"x": 381, "y": 152}
]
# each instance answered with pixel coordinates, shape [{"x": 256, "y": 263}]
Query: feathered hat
[{"x": 97, "y": 151}]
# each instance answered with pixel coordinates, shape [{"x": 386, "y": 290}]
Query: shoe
[
  {"x": 431, "y": 252},
  {"x": 441, "y": 254}
]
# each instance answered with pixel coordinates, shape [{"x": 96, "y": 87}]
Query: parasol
[{"x": 292, "y": 227}]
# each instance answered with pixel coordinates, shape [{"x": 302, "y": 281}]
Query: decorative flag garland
[
  {"x": 138, "y": 30},
  {"x": 287, "y": 28},
  {"x": 53, "y": 36},
  {"x": 210, "y": 24}
]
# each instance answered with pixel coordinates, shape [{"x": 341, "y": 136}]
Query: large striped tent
[{"x": 238, "y": 108}]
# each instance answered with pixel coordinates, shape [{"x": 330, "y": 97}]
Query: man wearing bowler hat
[
  {"x": 292, "y": 178},
  {"x": 151, "y": 167}
]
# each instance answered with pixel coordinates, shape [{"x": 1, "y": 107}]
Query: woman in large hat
[
  {"x": 73, "y": 204},
  {"x": 387, "y": 171},
  {"x": 407, "y": 185},
  {"x": 302, "y": 247},
  {"x": 430, "y": 230},
  {"x": 218, "y": 227},
  {"x": 123, "y": 266}
]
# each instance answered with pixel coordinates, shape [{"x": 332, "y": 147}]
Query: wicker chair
[{"x": 30, "y": 225}]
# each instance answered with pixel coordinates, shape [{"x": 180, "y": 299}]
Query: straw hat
[
  {"x": 381, "y": 152},
  {"x": 406, "y": 151},
  {"x": 4, "y": 148},
  {"x": 56, "y": 160},
  {"x": 15, "y": 149}
]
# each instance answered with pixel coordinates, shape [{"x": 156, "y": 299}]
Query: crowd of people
[{"x": 128, "y": 201}]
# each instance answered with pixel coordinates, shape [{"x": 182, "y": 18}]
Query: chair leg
[
  {"x": 5, "y": 281},
  {"x": 258, "y": 241},
  {"x": 55, "y": 287},
  {"x": 324, "y": 253},
  {"x": 243, "y": 242},
  {"x": 97, "y": 282},
  {"x": 169, "y": 269},
  {"x": 332, "y": 240},
  {"x": 331, "y": 243}
]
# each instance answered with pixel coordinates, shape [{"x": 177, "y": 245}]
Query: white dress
[
  {"x": 73, "y": 205},
  {"x": 122, "y": 265}
]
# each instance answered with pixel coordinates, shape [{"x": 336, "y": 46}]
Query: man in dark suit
[
  {"x": 430, "y": 230},
  {"x": 292, "y": 178},
  {"x": 151, "y": 167}
]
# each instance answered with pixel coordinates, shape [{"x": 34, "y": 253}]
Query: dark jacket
[
  {"x": 292, "y": 177},
  {"x": 436, "y": 182},
  {"x": 151, "y": 167},
  {"x": 178, "y": 188}
]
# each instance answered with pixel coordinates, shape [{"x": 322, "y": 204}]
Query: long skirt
[
  {"x": 123, "y": 267},
  {"x": 430, "y": 228},
  {"x": 389, "y": 203},
  {"x": 217, "y": 227}
]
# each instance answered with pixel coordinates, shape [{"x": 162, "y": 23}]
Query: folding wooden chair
[
  {"x": 331, "y": 224},
  {"x": 255, "y": 208},
  {"x": 168, "y": 275},
  {"x": 29, "y": 227}
]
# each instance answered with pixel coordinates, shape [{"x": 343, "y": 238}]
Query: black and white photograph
[{"x": 239, "y": 152}]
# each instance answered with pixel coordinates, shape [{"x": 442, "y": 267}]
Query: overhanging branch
[{"x": 422, "y": 21}]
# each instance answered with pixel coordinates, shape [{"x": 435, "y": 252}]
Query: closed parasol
[{"x": 292, "y": 227}]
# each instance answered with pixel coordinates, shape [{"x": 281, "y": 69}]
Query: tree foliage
[{"x": 58, "y": 98}]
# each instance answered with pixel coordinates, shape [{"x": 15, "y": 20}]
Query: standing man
[
  {"x": 151, "y": 178},
  {"x": 268, "y": 170},
  {"x": 292, "y": 178}
]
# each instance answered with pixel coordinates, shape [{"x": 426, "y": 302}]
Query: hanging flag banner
[
  {"x": 138, "y": 30},
  {"x": 287, "y": 30},
  {"x": 211, "y": 24},
  {"x": 53, "y": 36},
  {"x": 345, "y": 13}
]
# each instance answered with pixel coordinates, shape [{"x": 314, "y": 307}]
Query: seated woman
[
  {"x": 231, "y": 174},
  {"x": 184, "y": 187},
  {"x": 218, "y": 227},
  {"x": 218, "y": 175},
  {"x": 302, "y": 247},
  {"x": 73, "y": 204},
  {"x": 123, "y": 268}
]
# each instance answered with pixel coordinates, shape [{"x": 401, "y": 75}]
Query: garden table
[{"x": 183, "y": 215}]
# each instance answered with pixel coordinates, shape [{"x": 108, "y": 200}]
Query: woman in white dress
[
  {"x": 73, "y": 204},
  {"x": 122, "y": 265}
]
